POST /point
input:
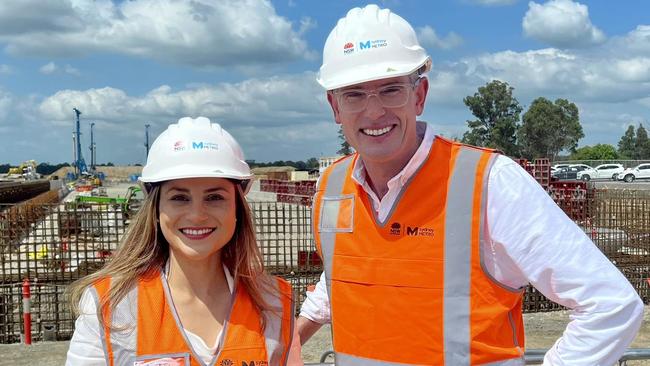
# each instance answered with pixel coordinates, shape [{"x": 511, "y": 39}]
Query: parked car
[
  {"x": 570, "y": 172},
  {"x": 581, "y": 167},
  {"x": 565, "y": 173},
  {"x": 557, "y": 167},
  {"x": 603, "y": 171},
  {"x": 641, "y": 171}
]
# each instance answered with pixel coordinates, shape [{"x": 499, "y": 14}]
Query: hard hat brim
[
  {"x": 192, "y": 171},
  {"x": 372, "y": 72}
]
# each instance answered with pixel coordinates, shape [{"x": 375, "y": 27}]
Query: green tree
[
  {"x": 627, "y": 144},
  {"x": 642, "y": 145},
  {"x": 312, "y": 163},
  {"x": 345, "y": 149},
  {"x": 596, "y": 152},
  {"x": 497, "y": 117},
  {"x": 548, "y": 128}
]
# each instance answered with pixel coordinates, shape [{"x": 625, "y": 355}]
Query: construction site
[
  {"x": 52, "y": 233},
  {"x": 57, "y": 229}
]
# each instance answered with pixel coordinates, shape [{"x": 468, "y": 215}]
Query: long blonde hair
[{"x": 144, "y": 249}]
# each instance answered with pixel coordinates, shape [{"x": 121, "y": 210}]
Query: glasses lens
[
  {"x": 390, "y": 96},
  {"x": 353, "y": 100},
  {"x": 393, "y": 95}
]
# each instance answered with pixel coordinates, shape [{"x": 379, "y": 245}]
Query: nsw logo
[
  {"x": 348, "y": 48},
  {"x": 395, "y": 229},
  {"x": 179, "y": 146}
]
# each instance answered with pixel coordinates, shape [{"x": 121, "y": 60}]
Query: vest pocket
[
  {"x": 337, "y": 214},
  {"x": 388, "y": 272},
  {"x": 170, "y": 359}
]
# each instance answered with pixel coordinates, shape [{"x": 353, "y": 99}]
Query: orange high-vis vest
[
  {"x": 147, "y": 319},
  {"x": 412, "y": 290}
]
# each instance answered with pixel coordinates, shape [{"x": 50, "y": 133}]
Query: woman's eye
[
  {"x": 214, "y": 197},
  {"x": 179, "y": 197}
]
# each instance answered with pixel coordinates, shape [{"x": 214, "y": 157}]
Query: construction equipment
[
  {"x": 79, "y": 163},
  {"x": 26, "y": 170},
  {"x": 130, "y": 203}
]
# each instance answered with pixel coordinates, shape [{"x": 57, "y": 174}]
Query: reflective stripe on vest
[
  {"x": 458, "y": 229},
  {"x": 463, "y": 342},
  {"x": 154, "y": 332},
  {"x": 329, "y": 212}
]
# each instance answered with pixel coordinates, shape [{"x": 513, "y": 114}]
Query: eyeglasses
[{"x": 390, "y": 96}]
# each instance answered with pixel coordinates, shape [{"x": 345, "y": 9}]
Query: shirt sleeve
[
  {"x": 316, "y": 306},
  {"x": 532, "y": 240},
  {"x": 86, "y": 347}
]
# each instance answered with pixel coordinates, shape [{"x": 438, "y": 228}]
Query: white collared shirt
[{"x": 531, "y": 240}]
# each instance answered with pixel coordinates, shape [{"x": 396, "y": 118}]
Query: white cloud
[
  {"x": 273, "y": 118},
  {"x": 561, "y": 23},
  {"x": 581, "y": 76},
  {"x": 277, "y": 101},
  {"x": 71, "y": 70},
  {"x": 430, "y": 39},
  {"x": 5, "y": 69},
  {"x": 48, "y": 68},
  {"x": 201, "y": 33},
  {"x": 51, "y": 68},
  {"x": 635, "y": 43},
  {"x": 306, "y": 24}
]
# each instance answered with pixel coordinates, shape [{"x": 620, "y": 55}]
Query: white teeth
[
  {"x": 196, "y": 232},
  {"x": 378, "y": 132}
]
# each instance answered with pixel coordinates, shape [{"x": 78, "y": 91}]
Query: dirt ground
[{"x": 542, "y": 329}]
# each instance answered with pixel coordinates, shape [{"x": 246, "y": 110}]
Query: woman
[{"x": 187, "y": 286}]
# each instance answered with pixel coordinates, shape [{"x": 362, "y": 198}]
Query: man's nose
[{"x": 375, "y": 108}]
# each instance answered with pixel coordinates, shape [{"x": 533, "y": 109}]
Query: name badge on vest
[
  {"x": 337, "y": 214},
  {"x": 163, "y": 360}
]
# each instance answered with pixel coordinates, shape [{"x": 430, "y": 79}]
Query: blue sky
[{"x": 251, "y": 66}]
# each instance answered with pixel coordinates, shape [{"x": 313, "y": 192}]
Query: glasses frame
[{"x": 411, "y": 85}]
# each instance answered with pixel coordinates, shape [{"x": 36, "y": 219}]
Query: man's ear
[
  {"x": 421, "y": 95},
  {"x": 333, "y": 104}
]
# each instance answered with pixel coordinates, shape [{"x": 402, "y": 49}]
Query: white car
[
  {"x": 580, "y": 167},
  {"x": 641, "y": 171},
  {"x": 603, "y": 171},
  {"x": 558, "y": 167}
]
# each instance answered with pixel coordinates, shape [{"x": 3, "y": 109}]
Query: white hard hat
[
  {"x": 195, "y": 148},
  {"x": 370, "y": 44}
]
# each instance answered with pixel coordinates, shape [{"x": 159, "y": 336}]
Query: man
[{"x": 429, "y": 244}]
